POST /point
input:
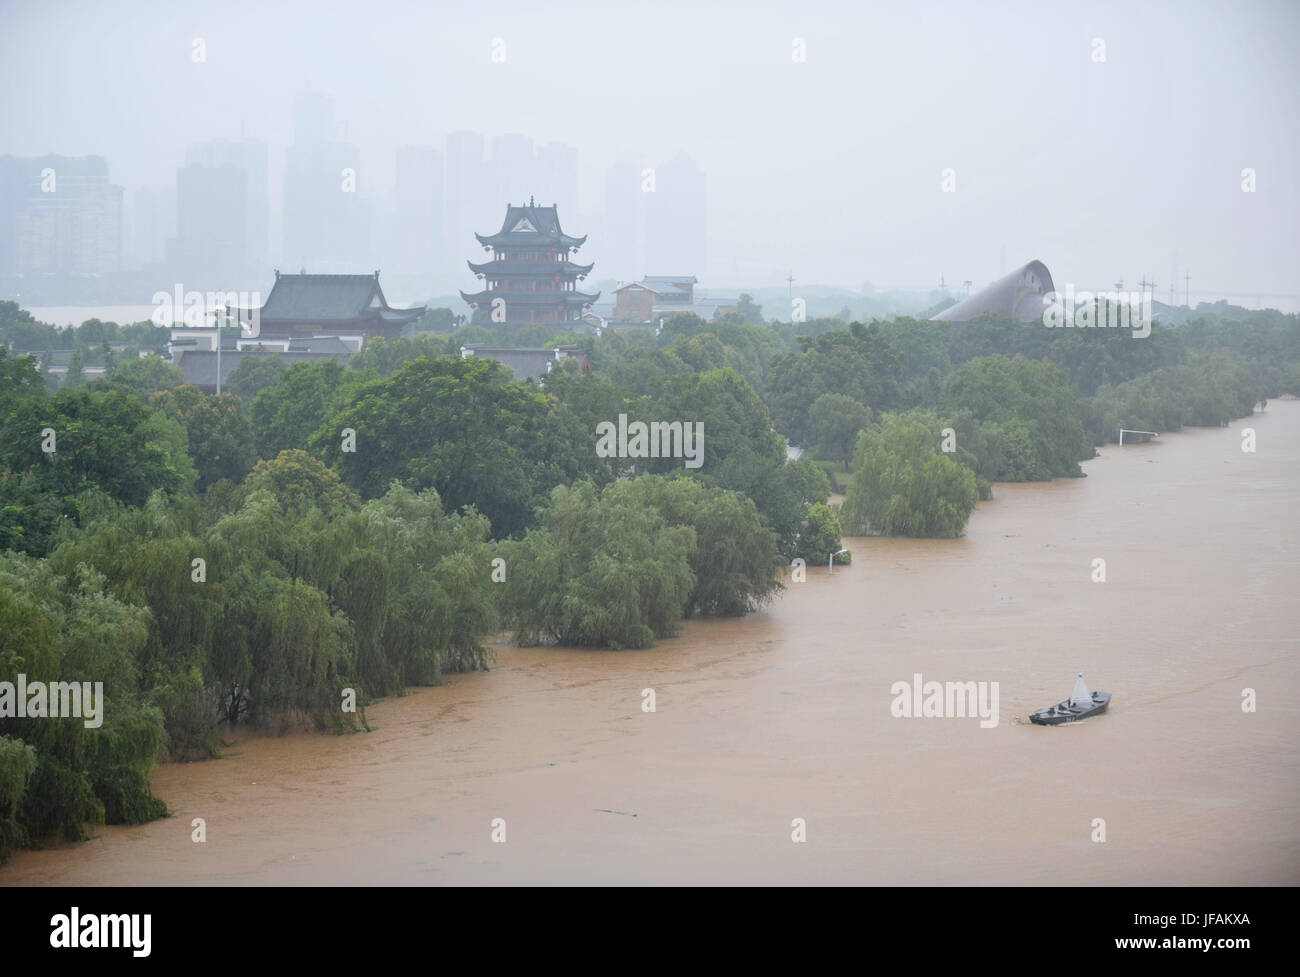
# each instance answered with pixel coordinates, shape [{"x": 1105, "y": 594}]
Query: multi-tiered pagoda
[{"x": 530, "y": 271}]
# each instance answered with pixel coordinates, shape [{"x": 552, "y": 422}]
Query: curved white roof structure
[{"x": 1019, "y": 295}]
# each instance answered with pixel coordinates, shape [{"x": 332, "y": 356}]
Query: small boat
[{"x": 1080, "y": 705}]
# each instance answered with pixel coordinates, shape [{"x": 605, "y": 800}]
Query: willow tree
[
  {"x": 147, "y": 558},
  {"x": 88, "y": 768},
  {"x": 601, "y": 572},
  {"x": 735, "y": 560},
  {"x": 417, "y": 585},
  {"x": 17, "y": 764},
  {"x": 904, "y": 486}
]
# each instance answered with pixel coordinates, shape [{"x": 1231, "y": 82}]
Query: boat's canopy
[{"x": 1080, "y": 696}]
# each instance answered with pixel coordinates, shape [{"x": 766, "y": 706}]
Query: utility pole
[
  {"x": 1187, "y": 292},
  {"x": 1144, "y": 285},
  {"x": 217, "y": 315},
  {"x": 790, "y": 283},
  {"x": 221, "y": 315}
]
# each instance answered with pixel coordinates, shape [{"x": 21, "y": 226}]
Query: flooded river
[{"x": 786, "y": 714}]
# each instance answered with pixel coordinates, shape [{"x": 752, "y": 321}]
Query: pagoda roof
[
  {"x": 326, "y": 298},
  {"x": 529, "y": 226},
  {"x": 529, "y": 269}
]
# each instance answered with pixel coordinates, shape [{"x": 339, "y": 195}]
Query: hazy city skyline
[{"x": 833, "y": 167}]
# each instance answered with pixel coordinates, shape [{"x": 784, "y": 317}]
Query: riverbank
[{"x": 785, "y": 714}]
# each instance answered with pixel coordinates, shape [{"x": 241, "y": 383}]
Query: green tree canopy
[
  {"x": 1039, "y": 413},
  {"x": 287, "y": 414},
  {"x": 296, "y": 480},
  {"x": 735, "y": 560},
  {"x": 821, "y": 536},
  {"x": 904, "y": 486},
  {"x": 463, "y": 427},
  {"x": 254, "y": 374},
  {"x": 101, "y": 440},
  {"x": 58, "y": 774},
  {"x": 599, "y": 573},
  {"x": 834, "y": 422},
  {"x": 220, "y": 436},
  {"x": 858, "y": 363}
]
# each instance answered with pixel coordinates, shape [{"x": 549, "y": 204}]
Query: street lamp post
[
  {"x": 830, "y": 567},
  {"x": 222, "y": 316},
  {"x": 217, "y": 313}
]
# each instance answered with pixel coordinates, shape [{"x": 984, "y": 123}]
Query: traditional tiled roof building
[
  {"x": 530, "y": 277},
  {"x": 305, "y": 305},
  {"x": 528, "y": 363}
]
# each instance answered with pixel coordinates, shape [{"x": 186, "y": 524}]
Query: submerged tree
[
  {"x": 735, "y": 560},
  {"x": 904, "y": 486},
  {"x": 91, "y": 766},
  {"x": 1037, "y": 414},
  {"x": 599, "y": 572}
]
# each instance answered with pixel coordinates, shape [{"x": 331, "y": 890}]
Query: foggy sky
[{"x": 829, "y": 169}]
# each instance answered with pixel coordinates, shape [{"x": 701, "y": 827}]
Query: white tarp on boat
[{"x": 1080, "y": 696}]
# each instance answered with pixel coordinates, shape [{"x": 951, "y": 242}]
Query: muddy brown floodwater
[{"x": 786, "y": 714}]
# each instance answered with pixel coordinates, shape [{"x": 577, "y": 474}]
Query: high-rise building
[
  {"x": 326, "y": 216},
  {"x": 152, "y": 225},
  {"x": 557, "y": 176},
  {"x": 313, "y": 120},
  {"x": 211, "y": 243},
  {"x": 250, "y": 156},
  {"x": 468, "y": 192},
  {"x": 676, "y": 216},
  {"x": 418, "y": 203},
  {"x": 221, "y": 213},
  {"x": 13, "y": 197},
  {"x": 623, "y": 251},
  {"x": 59, "y": 214},
  {"x": 514, "y": 166}
]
